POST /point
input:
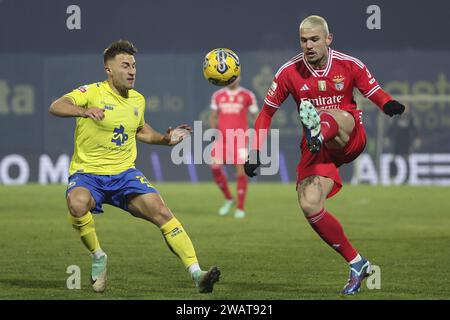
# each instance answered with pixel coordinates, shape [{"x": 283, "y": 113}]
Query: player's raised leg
[
  {"x": 151, "y": 207},
  {"x": 330, "y": 127},
  {"x": 80, "y": 202},
  {"x": 312, "y": 193},
  {"x": 336, "y": 127},
  {"x": 241, "y": 185},
  {"x": 222, "y": 183}
]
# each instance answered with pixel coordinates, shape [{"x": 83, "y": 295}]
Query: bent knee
[
  {"x": 162, "y": 215},
  {"x": 310, "y": 207},
  {"x": 346, "y": 123},
  {"x": 78, "y": 206}
]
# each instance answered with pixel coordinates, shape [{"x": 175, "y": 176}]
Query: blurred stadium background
[{"x": 45, "y": 53}]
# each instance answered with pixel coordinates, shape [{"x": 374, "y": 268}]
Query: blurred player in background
[
  {"x": 229, "y": 109},
  {"x": 109, "y": 120},
  {"x": 321, "y": 81}
]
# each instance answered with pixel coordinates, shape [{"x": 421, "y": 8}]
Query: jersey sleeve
[
  {"x": 364, "y": 80},
  {"x": 253, "y": 104},
  {"x": 278, "y": 91},
  {"x": 81, "y": 95},
  {"x": 142, "y": 118}
]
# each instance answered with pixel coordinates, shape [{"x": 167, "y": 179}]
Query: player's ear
[
  {"x": 329, "y": 39},
  {"x": 108, "y": 69}
]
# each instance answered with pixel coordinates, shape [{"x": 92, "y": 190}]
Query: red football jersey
[
  {"x": 232, "y": 107},
  {"x": 329, "y": 88}
]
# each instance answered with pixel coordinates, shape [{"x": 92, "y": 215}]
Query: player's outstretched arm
[
  {"x": 172, "y": 137},
  {"x": 262, "y": 125},
  {"x": 386, "y": 103},
  {"x": 64, "y": 107},
  {"x": 393, "y": 107},
  {"x": 370, "y": 88}
]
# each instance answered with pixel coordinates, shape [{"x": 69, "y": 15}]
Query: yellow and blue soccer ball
[{"x": 221, "y": 67}]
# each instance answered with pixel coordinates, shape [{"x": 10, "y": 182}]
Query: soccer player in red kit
[
  {"x": 229, "y": 109},
  {"x": 321, "y": 81}
]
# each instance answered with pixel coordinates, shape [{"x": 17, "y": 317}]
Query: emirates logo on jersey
[
  {"x": 339, "y": 82},
  {"x": 331, "y": 102}
]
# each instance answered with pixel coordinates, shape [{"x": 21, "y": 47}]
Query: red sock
[
  {"x": 328, "y": 126},
  {"x": 330, "y": 230},
  {"x": 221, "y": 181},
  {"x": 241, "y": 190}
]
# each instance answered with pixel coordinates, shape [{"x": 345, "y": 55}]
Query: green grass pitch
[{"x": 271, "y": 254}]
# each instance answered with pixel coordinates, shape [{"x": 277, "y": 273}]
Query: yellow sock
[
  {"x": 86, "y": 229},
  {"x": 179, "y": 242}
]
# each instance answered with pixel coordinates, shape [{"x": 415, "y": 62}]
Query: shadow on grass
[{"x": 34, "y": 283}]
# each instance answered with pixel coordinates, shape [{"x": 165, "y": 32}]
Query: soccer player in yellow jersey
[{"x": 109, "y": 120}]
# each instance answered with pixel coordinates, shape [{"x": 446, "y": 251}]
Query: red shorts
[
  {"x": 230, "y": 152},
  {"x": 327, "y": 161}
]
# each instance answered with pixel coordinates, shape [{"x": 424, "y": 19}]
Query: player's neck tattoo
[{"x": 322, "y": 63}]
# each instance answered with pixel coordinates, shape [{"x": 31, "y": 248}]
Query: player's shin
[
  {"x": 221, "y": 181},
  {"x": 242, "y": 182},
  {"x": 329, "y": 128},
  {"x": 85, "y": 226},
  {"x": 180, "y": 244},
  {"x": 331, "y": 231}
]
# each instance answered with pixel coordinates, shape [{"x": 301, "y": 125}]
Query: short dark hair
[{"x": 118, "y": 47}]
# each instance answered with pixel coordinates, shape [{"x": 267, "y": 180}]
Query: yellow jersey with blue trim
[{"x": 106, "y": 147}]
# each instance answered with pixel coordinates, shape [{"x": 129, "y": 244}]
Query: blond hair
[{"x": 314, "y": 21}]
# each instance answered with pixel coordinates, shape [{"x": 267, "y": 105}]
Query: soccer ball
[{"x": 221, "y": 66}]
